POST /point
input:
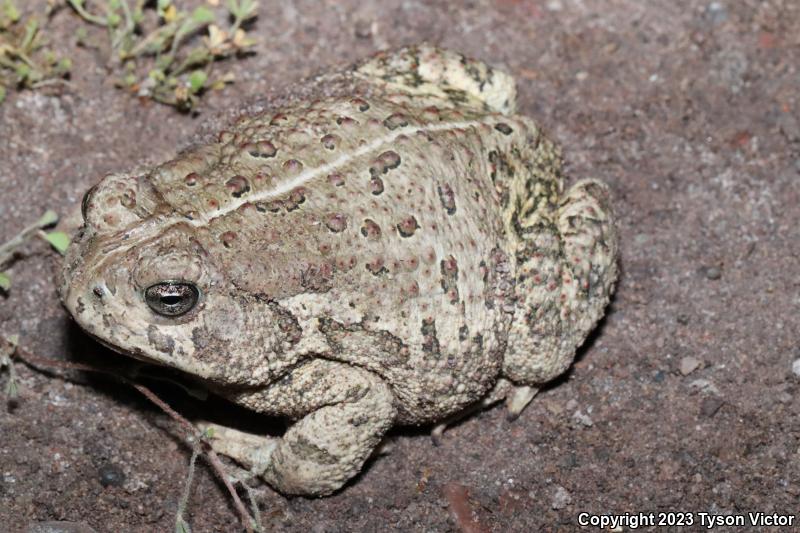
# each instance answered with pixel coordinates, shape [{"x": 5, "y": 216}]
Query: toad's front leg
[{"x": 343, "y": 413}]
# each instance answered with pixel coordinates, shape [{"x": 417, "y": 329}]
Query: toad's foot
[{"x": 251, "y": 450}]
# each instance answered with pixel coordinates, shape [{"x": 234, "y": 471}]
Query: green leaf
[
  {"x": 157, "y": 74},
  {"x": 13, "y": 340},
  {"x": 197, "y": 80},
  {"x": 23, "y": 71},
  {"x": 76, "y": 3},
  {"x": 64, "y": 66},
  {"x": 31, "y": 28},
  {"x": 202, "y": 15},
  {"x": 49, "y": 218},
  {"x": 58, "y": 240},
  {"x": 243, "y": 9},
  {"x": 12, "y": 13},
  {"x": 5, "y": 281},
  {"x": 2, "y": 94},
  {"x": 49, "y": 58}
]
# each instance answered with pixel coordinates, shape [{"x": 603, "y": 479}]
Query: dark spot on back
[{"x": 503, "y": 128}]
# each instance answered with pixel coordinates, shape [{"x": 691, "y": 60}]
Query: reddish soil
[{"x": 684, "y": 400}]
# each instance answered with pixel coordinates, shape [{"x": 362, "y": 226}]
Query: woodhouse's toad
[{"x": 386, "y": 245}]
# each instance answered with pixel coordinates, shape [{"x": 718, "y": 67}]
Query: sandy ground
[{"x": 685, "y": 399}]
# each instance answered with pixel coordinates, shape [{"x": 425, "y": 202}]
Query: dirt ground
[{"x": 683, "y": 401}]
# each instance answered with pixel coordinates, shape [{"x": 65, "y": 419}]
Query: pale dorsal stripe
[
  {"x": 152, "y": 228},
  {"x": 312, "y": 173}
]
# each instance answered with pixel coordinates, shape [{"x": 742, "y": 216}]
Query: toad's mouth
[{"x": 134, "y": 353}]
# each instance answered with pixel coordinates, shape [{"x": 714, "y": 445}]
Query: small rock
[
  {"x": 561, "y": 498},
  {"x": 659, "y": 376},
  {"x": 704, "y": 385},
  {"x": 688, "y": 365},
  {"x": 716, "y": 13},
  {"x": 712, "y": 272},
  {"x": 796, "y": 367},
  {"x": 111, "y": 476},
  {"x": 710, "y": 406},
  {"x": 683, "y": 319},
  {"x": 582, "y": 418},
  {"x": 554, "y": 5}
]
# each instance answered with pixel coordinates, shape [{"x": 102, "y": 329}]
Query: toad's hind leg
[
  {"x": 565, "y": 247},
  {"x": 426, "y": 71}
]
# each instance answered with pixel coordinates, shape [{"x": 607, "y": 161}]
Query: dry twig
[{"x": 36, "y": 361}]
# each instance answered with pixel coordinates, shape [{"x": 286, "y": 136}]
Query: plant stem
[
  {"x": 100, "y": 21},
  {"x": 8, "y": 248}
]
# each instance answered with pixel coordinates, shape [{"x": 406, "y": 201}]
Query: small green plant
[
  {"x": 162, "y": 60},
  {"x": 57, "y": 239},
  {"x": 25, "y": 60}
]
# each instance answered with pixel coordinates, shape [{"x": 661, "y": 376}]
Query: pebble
[
  {"x": 796, "y": 367},
  {"x": 716, "y": 13},
  {"x": 561, "y": 498},
  {"x": 710, "y": 406},
  {"x": 582, "y": 418},
  {"x": 704, "y": 385},
  {"x": 554, "y": 5},
  {"x": 688, "y": 365},
  {"x": 712, "y": 273}
]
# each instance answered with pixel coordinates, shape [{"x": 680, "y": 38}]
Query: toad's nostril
[{"x": 99, "y": 291}]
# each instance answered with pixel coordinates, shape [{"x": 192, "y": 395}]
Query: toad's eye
[{"x": 171, "y": 298}]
